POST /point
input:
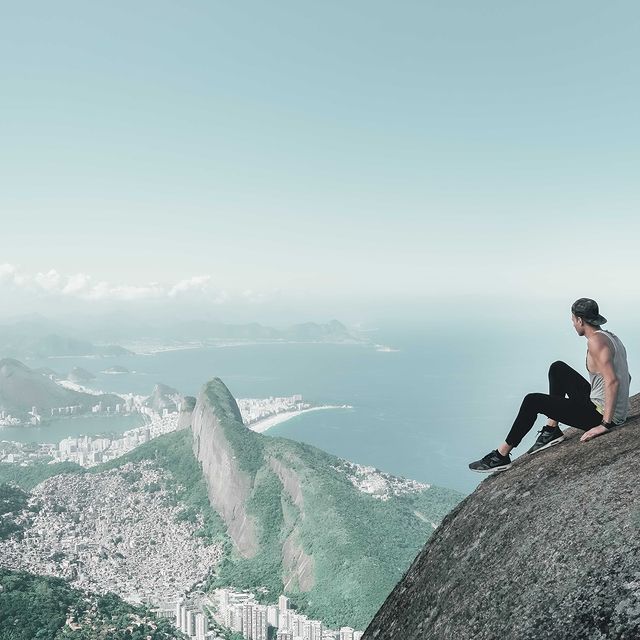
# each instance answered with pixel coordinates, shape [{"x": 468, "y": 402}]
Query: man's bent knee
[
  {"x": 556, "y": 366},
  {"x": 532, "y": 399}
]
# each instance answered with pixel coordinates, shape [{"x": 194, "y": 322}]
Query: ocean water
[
  {"x": 57, "y": 429},
  {"x": 446, "y": 397}
]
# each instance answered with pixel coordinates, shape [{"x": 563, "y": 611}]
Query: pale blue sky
[{"x": 328, "y": 150}]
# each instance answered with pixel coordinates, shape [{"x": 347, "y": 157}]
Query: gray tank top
[{"x": 621, "y": 368}]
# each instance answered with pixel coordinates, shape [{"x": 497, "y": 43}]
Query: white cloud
[
  {"x": 7, "y": 273},
  {"x": 77, "y": 284},
  {"x": 196, "y": 283},
  {"x": 258, "y": 297},
  {"x": 105, "y": 291},
  {"x": 49, "y": 281},
  {"x": 82, "y": 287}
]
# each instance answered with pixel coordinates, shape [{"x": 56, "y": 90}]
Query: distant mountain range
[
  {"x": 38, "y": 337},
  {"x": 215, "y": 332},
  {"x": 309, "y": 331}
]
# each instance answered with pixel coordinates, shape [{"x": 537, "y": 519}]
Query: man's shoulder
[{"x": 599, "y": 341}]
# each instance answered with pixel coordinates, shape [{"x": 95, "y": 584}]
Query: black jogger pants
[{"x": 576, "y": 410}]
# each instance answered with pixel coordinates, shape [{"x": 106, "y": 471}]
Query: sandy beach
[{"x": 262, "y": 425}]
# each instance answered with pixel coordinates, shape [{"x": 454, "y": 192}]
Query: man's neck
[{"x": 590, "y": 330}]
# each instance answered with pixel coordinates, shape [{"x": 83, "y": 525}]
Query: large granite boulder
[{"x": 549, "y": 549}]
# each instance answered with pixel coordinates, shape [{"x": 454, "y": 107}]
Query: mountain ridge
[
  {"x": 296, "y": 513},
  {"x": 285, "y": 516}
]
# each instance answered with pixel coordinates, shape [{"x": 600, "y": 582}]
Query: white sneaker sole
[
  {"x": 546, "y": 446},
  {"x": 497, "y": 469}
]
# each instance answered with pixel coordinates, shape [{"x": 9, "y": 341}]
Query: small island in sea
[{"x": 116, "y": 370}]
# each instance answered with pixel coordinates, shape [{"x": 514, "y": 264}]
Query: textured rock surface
[
  {"x": 298, "y": 566},
  {"x": 335, "y": 546},
  {"x": 549, "y": 549},
  {"x": 186, "y": 411},
  {"x": 229, "y": 487}
]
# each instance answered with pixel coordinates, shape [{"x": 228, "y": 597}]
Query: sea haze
[{"x": 444, "y": 398}]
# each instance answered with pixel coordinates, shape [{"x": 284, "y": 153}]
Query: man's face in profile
[{"x": 578, "y": 325}]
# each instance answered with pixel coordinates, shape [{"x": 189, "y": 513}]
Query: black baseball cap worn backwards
[{"x": 588, "y": 309}]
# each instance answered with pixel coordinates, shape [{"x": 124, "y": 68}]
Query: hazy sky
[{"x": 260, "y": 152}]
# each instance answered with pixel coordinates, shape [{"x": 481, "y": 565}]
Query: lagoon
[{"x": 57, "y": 429}]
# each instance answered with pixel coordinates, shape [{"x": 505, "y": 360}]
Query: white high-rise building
[
  {"x": 259, "y": 622},
  {"x": 284, "y": 635},
  {"x": 283, "y": 603},
  {"x": 224, "y": 599},
  {"x": 306, "y": 630},
  {"x": 284, "y": 619},
  {"x": 191, "y": 623},
  {"x": 273, "y": 615},
  {"x": 183, "y": 618},
  {"x": 346, "y": 633},
  {"x": 357, "y": 635},
  {"x": 202, "y": 626},
  {"x": 247, "y": 621},
  {"x": 238, "y": 618}
]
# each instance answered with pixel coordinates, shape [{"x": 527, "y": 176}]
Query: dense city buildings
[
  {"x": 254, "y": 409},
  {"x": 118, "y": 530},
  {"x": 240, "y": 612},
  {"x": 87, "y": 451}
]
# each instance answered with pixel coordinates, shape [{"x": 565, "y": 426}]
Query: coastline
[
  {"x": 260, "y": 426},
  {"x": 142, "y": 349}
]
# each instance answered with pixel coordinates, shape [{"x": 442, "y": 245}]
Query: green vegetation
[
  {"x": 188, "y": 403},
  {"x": 28, "y": 477},
  {"x": 265, "y": 568},
  {"x": 361, "y": 545},
  {"x": 244, "y": 442},
  {"x": 37, "y": 608},
  {"x": 13, "y": 501}
]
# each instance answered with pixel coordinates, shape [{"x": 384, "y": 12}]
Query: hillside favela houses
[{"x": 78, "y": 531}]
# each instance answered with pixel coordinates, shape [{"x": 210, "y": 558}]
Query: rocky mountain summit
[
  {"x": 164, "y": 397},
  {"x": 549, "y": 549},
  {"x": 333, "y": 535}
]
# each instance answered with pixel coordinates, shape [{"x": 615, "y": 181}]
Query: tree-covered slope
[
  {"x": 44, "y": 608},
  {"x": 320, "y": 536},
  {"x": 332, "y": 535}
]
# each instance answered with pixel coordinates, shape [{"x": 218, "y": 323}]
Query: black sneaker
[
  {"x": 547, "y": 438},
  {"x": 493, "y": 461}
]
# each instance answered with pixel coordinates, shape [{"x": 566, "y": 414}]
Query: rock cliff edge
[{"x": 547, "y": 549}]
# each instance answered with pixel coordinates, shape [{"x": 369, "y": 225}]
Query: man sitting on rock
[{"x": 594, "y": 407}]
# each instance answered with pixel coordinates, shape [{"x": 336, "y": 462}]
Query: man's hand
[{"x": 593, "y": 433}]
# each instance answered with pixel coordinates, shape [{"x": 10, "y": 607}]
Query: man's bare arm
[{"x": 602, "y": 355}]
